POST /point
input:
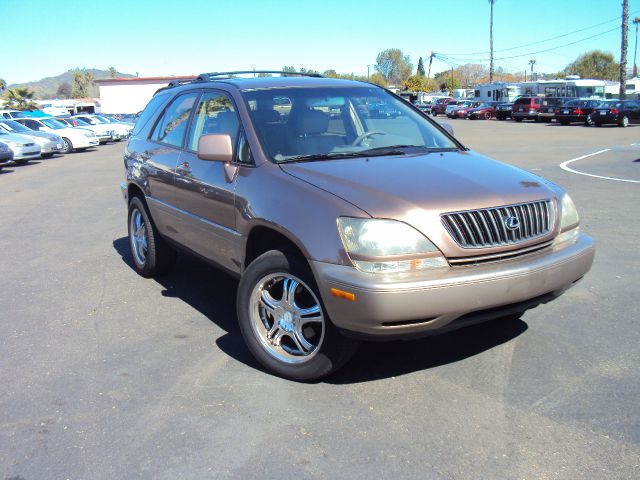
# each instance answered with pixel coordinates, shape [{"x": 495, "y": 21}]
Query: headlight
[
  {"x": 568, "y": 214},
  {"x": 387, "y": 246},
  {"x": 11, "y": 143},
  {"x": 89, "y": 134}
]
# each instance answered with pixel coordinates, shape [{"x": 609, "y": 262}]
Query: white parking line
[{"x": 564, "y": 166}]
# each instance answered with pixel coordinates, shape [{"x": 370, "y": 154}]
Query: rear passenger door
[
  {"x": 632, "y": 109},
  {"x": 204, "y": 191},
  {"x": 160, "y": 157}
]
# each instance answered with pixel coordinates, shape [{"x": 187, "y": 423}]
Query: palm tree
[
  {"x": 623, "y": 53},
  {"x": 19, "y": 99},
  {"x": 491, "y": 2},
  {"x": 3, "y": 83},
  {"x": 636, "y": 21}
]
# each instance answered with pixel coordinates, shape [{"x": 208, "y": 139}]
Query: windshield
[
  {"x": 321, "y": 123},
  {"x": 52, "y": 123},
  {"x": 105, "y": 119},
  {"x": 14, "y": 127}
]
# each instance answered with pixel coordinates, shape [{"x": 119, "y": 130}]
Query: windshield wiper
[
  {"x": 404, "y": 149},
  {"x": 332, "y": 156}
]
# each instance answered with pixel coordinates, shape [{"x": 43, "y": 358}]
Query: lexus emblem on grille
[{"x": 512, "y": 223}]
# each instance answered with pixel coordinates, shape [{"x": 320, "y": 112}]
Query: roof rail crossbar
[{"x": 206, "y": 77}]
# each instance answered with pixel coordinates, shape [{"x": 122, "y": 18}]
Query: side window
[
  {"x": 32, "y": 124},
  {"x": 215, "y": 114},
  {"x": 152, "y": 107},
  {"x": 173, "y": 124}
]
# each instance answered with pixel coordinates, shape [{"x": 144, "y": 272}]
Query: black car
[
  {"x": 618, "y": 112},
  {"x": 549, "y": 106},
  {"x": 576, "y": 111},
  {"x": 503, "y": 110}
]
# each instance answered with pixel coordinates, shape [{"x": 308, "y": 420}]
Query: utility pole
[
  {"x": 623, "y": 50},
  {"x": 636, "y": 21},
  {"x": 491, "y": 2},
  {"x": 452, "y": 81}
]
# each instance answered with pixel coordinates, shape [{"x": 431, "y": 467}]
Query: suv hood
[{"x": 417, "y": 189}]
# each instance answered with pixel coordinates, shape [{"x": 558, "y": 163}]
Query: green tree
[
  {"x": 420, "y": 71},
  {"x": 291, "y": 69},
  {"x": 418, "y": 83},
  {"x": 394, "y": 66},
  {"x": 112, "y": 72},
  {"x": 82, "y": 81},
  {"x": 594, "y": 64},
  {"x": 378, "y": 79},
  {"x": 3, "y": 85},
  {"x": 64, "y": 90},
  {"x": 19, "y": 99}
]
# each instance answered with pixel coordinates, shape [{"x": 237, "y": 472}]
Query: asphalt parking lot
[{"x": 106, "y": 375}]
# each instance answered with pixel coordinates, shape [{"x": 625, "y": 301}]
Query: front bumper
[
  {"x": 425, "y": 303},
  {"x": 85, "y": 142},
  {"x": 51, "y": 147},
  {"x": 26, "y": 153}
]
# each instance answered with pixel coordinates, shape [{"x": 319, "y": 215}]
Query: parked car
[
  {"x": 576, "y": 111},
  {"x": 6, "y": 155},
  {"x": 440, "y": 104},
  {"x": 50, "y": 143},
  {"x": 617, "y": 112},
  {"x": 549, "y": 106},
  {"x": 103, "y": 132},
  {"x": 23, "y": 148},
  {"x": 340, "y": 228},
  {"x": 451, "y": 106},
  {"x": 10, "y": 114},
  {"x": 503, "y": 110},
  {"x": 484, "y": 111},
  {"x": 73, "y": 139},
  {"x": 120, "y": 130},
  {"x": 461, "y": 110},
  {"x": 526, "y": 108}
]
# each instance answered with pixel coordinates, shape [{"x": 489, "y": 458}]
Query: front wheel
[
  {"x": 518, "y": 119},
  {"x": 624, "y": 122},
  {"x": 283, "y": 321},
  {"x": 487, "y": 115}
]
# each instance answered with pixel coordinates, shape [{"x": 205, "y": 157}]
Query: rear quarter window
[{"x": 152, "y": 107}]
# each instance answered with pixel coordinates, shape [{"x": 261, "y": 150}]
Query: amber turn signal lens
[{"x": 341, "y": 294}]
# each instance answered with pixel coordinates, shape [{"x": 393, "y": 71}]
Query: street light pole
[{"x": 368, "y": 72}]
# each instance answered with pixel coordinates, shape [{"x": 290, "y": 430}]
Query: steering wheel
[{"x": 360, "y": 138}]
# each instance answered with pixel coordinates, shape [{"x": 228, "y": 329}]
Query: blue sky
[{"x": 47, "y": 37}]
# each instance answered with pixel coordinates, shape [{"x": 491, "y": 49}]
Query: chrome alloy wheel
[
  {"x": 286, "y": 317},
  {"x": 138, "y": 236}
]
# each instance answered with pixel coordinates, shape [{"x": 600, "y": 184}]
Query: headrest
[
  {"x": 266, "y": 116},
  {"x": 312, "y": 122}
]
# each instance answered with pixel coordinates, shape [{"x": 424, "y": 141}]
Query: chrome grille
[{"x": 488, "y": 227}]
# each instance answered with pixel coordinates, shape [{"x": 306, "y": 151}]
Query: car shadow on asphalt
[{"x": 213, "y": 293}]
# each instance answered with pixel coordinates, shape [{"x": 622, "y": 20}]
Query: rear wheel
[
  {"x": 624, "y": 122},
  {"x": 598, "y": 124},
  {"x": 151, "y": 254},
  {"x": 283, "y": 321},
  {"x": 487, "y": 115},
  {"x": 518, "y": 119},
  {"x": 564, "y": 122}
]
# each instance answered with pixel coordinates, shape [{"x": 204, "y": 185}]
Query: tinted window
[
  {"x": 173, "y": 124},
  {"x": 151, "y": 108},
  {"x": 215, "y": 114}
]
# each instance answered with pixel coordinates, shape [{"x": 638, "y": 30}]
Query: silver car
[
  {"x": 6, "y": 155},
  {"x": 23, "y": 147},
  {"x": 50, "y": 143}
]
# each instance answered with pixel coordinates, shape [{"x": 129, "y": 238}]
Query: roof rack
[
  {"x": 177, "y": 83},
  {"x": 207, "y": 77}
]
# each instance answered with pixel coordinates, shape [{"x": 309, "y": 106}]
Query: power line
[
  {"x": 441, "y": 56},
  {"x": 616, "y": 19}
]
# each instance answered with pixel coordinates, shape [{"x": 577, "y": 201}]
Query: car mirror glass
[{"x": 215, "y": 147}]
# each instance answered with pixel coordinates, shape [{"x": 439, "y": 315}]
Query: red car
[
  {"x": 440, "y": 105},
  {"x": 485, "y": 111}
]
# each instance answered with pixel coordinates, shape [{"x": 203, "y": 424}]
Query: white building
[{"x": 130, "y": 95}]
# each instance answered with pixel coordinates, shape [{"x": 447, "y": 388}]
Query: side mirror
[
  {"x": 216, "y": 147},
  {"x": 447, "y": 127}
]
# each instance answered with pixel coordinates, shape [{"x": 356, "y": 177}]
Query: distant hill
[{"x": 47, "y": 87}]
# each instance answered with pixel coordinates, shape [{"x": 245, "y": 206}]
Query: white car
[
  {"x": 24, "y": 149},
  {"x": 74, "y": 139},
  {"x": 11, "y": 114},
  {"x": 103, "y": 132},
  {"x": 122, "y": 130},
  {"x": 50, "y": 143}
]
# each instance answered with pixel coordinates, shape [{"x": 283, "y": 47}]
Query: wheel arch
[{"x": 263, "y": 238}]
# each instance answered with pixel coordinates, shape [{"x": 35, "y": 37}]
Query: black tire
[
  {"x": 332, "y": 351},
  {"x": 159, "y": 257},
  {"x": 564, "y": 122},
  {"x": 487, "y": 115},
  {"x": 598, "y": 124},
  {"x": 624, "y": 122},
  {"x": 518, "y": 119},
  {"x": 67, "y": 146},
  {"x": 47, "y": 155}
]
